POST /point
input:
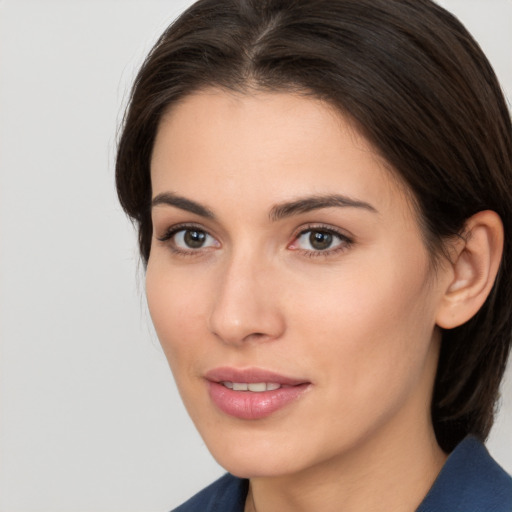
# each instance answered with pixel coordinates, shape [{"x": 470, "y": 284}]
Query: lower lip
[{"x": 250, "y": 405}]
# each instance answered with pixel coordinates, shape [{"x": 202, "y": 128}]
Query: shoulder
[
  {"x": 470, "y": 481},
  {"x": 227, "y": 494}
]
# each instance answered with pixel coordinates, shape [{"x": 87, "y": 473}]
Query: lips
[{"x": 252, "y": 393}]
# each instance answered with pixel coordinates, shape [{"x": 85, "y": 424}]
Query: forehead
[{"x": 265, "y": 146}]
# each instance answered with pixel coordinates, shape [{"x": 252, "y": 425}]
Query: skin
[{"x": 357, "y": 320}]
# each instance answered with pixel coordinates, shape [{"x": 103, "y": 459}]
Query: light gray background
[{"x": 90, "y": 419}]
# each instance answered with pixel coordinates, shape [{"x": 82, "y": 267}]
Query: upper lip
[{"x": 251, "y": 375}]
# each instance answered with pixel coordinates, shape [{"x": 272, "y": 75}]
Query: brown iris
[
  {"x": 194, "y": 239},
  {"x": 320, "y": 240}
]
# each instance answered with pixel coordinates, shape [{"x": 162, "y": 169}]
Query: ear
[{"x": 471, "y": 273}]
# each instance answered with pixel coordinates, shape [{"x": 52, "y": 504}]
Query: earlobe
[{"x": 472, "y": 269}]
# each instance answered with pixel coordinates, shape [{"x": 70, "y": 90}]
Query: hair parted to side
[{"x": 418, "y": 87}]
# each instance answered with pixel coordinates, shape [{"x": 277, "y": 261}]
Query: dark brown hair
[{"x": 419, "y": 88}]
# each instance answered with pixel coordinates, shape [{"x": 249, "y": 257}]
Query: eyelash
[
  {"x": 166, "y": 238},
  {"x": 345, "y": 241}
]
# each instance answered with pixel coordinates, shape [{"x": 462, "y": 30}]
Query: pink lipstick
[{"x": 252, "y": 393}]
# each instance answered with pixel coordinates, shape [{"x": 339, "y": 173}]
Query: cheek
[
  {"x": 176, "y": 306},
  {"x": 372, "y": 325}
]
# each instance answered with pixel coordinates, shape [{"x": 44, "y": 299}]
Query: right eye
[
  {"x": 193, "y": 239},
  {"x": 189, "y": 239}
]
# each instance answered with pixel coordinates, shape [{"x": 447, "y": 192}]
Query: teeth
[{"x": 256, "y": 387}]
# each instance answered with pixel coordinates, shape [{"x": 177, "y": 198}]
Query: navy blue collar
[{"x": 470, "y": 481}]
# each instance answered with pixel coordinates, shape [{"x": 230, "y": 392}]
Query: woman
[{"x": 322, "y": 191}]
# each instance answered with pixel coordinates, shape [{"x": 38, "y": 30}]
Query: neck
[{"x": 393, "y": 471}]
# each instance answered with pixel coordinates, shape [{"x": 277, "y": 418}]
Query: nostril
[
  {"x": 257, "y": 336},
  {"x": 237, "y": 338}
]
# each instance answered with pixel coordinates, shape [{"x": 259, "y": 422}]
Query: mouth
[
  {"x": 255, "y": 387},
  {"x": 253, "y": 393}
]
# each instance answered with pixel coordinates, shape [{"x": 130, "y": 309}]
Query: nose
[{"x": 246, "y": 306}]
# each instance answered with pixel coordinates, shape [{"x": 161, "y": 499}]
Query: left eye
[
  {"x": 318, "y": 240},
  {"x": 193, "y": 239}
]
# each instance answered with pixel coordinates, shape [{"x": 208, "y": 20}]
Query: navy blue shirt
[{"x": 470, "y": 481}]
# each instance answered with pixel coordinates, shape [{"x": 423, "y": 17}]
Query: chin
[
  {"x": 247, "y": 454},
  {"x": 257, "y": 466}
]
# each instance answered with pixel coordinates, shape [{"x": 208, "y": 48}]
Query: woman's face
[{"x": 288, "y": 283}]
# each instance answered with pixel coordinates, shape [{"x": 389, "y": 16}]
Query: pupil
[
  {"x": 194, "y": 239},
  {"x": 320, "y": 240}
]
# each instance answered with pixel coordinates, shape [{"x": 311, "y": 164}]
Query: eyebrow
[
  {"x": 279, "y": 211},
  {"x": 170, "y": 199},
  {"x": 308, "y": 204}
]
